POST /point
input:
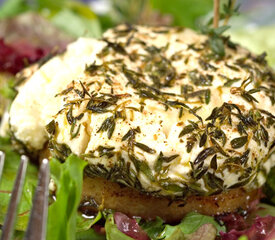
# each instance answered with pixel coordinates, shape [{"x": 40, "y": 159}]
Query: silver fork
[{"x": 36, "y": 229}]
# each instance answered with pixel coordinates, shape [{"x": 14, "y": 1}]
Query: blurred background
[{"x": 57, "y": 22}]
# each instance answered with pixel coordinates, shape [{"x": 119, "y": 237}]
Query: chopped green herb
[
  {"x": 144, "y": 147},
  {"x": 239, "y": 142},
  {"x": 51, "y": 127}
]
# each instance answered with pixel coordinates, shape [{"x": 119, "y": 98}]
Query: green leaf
[
  {"x": 217, "y": 46},
  {"x": 17, "y": 235},
  {"x": 112, "y": 232},
  {"x": 238, "y": 142},
  {"x": 178, "y": 10},
  {"x": 194, "y": 226},
  {"x": 12, "y": 7},
  {"x": 81, "y": 9},
  {"x": 243, "y": 238},
  {"x": 83, "y": 224},
  {"x": 89, "y": 234},
  {"x": 52, "y": 5},
  {"x": 193, "y": 221},
  {"x": 173, "y": 233},
  {"x": 157, "y": 230},
  {"x": 73, "y": 17},
  {"x": 6, "y": 185},
  {"x": 220, "y": 30},
  {"x": 7, "y": 89},
  {"x": 153, "y": 228},
  {"x": 257, "y": 40},
  {"x": 68, "y": 177},
  {"x": 77, "y": 25},
  {"x": 68, "y": 173},
  {"x": 265, "y": 209}
]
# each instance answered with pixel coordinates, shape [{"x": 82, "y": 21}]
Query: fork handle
[
  {"x": 38, "y": 220},
  {"x": 15, "y": 198}
]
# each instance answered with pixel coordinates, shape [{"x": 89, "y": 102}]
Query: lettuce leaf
[
  {"x": 75, "y": 18},
  {"x": 7, "y": 181},
  {"x": 153, "y": 228},
  {"x": 112, "y": 232},
  {"x": 68, "y": 177},
  {"x": 192, "y": 226},
  {"x": 7, "y": 86},
  {"x": 75, "y": 24},
  {"x": 178, "y": 10},
  {"x": 89, "y": 234},
  {"x": 193, "y": 221},
  {"x": 257, "y": 40},
  {"x": 172, "y": 233},
  {"x": 12, "y": 7},
  {"x": 265, "y": 210}
]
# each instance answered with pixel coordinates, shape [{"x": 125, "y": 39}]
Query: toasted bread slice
[{"x": 109, "y": 195}]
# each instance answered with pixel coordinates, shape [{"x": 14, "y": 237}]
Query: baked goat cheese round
[{"x": 162, "y": 110}]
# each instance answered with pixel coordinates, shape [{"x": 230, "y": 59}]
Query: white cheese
[
  {"x": 158, "y": 125},
  {"x": 36, "y": 101}
]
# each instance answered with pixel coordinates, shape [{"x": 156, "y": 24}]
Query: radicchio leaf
[
  {"x": 129, "y": 227},
  {"x": 233, "y": 221},
  {"x": 263, "y": 228},
  {"x": 14, "y": 57}
]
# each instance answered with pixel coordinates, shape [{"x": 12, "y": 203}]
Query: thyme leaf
[
  {"x": 144, "y": 147},
  {"x": 70, "y": 117},
  {"x": 72, "y": 133},
  {"x": 238, "y": 142},
  {"x": 105, "y": 151},
  {"x": 213, "y": 181},
  {"x": 217, "y": 46},
  {"x": 204, "y": 154},
  {"x": 200, "y": 79},
  {"x": 108, "y": 125},
  {"x": 191, "y": 142},
  {"x": 188, "y": 129},
  {"x": 213, "y": 162},
  {"x": 203, "y": 139},
  {"x": 51, "y": 128},
  {"x": 161, "y": 159},
  {"x": 117, "y": 47}
]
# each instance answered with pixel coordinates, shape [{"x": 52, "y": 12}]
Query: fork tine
[
  {"x": 38, "y": 220},
  {"x": 15, "y": 198},
  {"x": 2, "y": 160}
]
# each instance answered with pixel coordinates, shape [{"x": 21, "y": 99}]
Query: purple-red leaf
[
  {"x": 14, "y": 57},
  {"x": 261, "y": 229},
  {"x": 129, "y": 227}
]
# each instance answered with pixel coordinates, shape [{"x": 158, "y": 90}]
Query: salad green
[
  {"x": 77, "y": 19},
  {"x": 73, "y": 17},
  {"x": 68, "y": 179},
  {"x": 258, "y": 40},
  {"x": 6, "y": 185},
  {"x": 191, "y": 225}
]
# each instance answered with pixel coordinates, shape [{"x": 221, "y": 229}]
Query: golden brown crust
[{"x": 133, "y": 203}]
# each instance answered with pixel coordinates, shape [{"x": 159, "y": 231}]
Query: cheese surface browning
[{"x": 155, "y": 109}]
